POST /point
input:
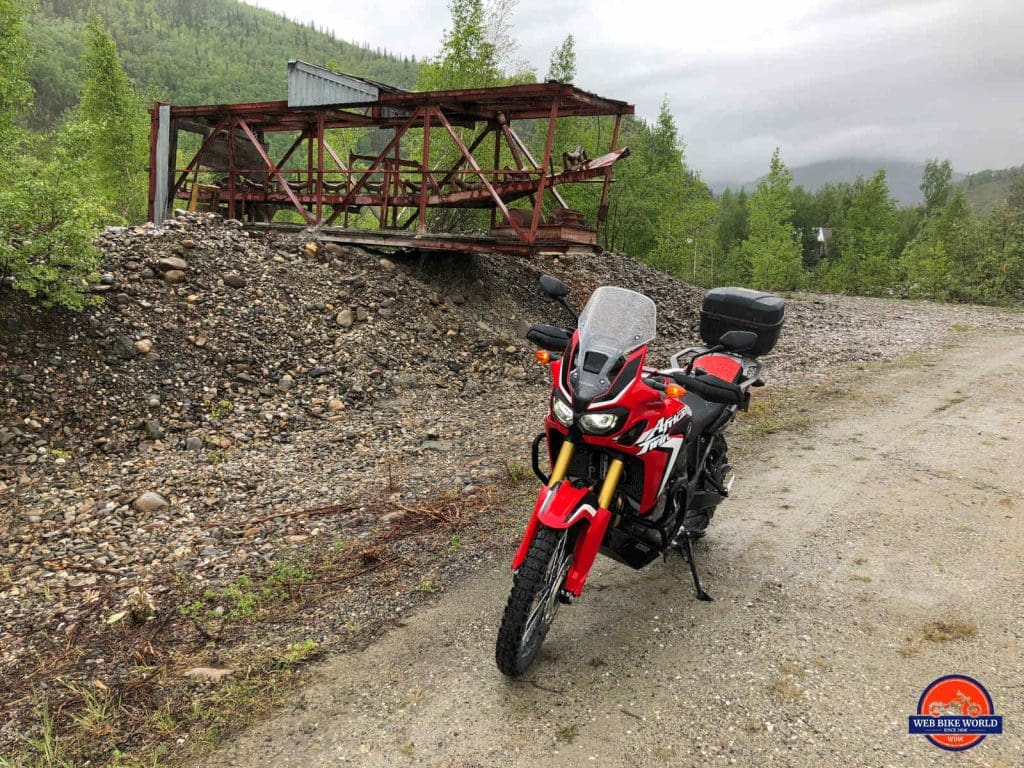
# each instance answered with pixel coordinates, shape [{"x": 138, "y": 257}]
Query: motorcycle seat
[{"x": 726, "y": 367}]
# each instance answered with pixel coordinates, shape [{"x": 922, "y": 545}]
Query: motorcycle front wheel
[{"x": 533, "y": 602}]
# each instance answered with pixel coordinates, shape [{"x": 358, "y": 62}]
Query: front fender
[{"x": 566, "y": 506}]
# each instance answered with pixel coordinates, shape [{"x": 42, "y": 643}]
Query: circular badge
[{"x": 961, "y": 701}]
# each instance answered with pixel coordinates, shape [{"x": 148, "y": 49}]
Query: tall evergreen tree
[{"x": 651, "y": 183}]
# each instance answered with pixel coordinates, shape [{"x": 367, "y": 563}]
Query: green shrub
[{"x": 46, "y": 231}]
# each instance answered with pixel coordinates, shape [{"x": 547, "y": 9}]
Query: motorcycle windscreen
[{"x": 614, "y": 322}]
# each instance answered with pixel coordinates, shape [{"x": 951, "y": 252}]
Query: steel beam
[
  {"x": 276, "y": 172},
  {"x": 372, "y": 169},
  {"x": 545, "y": 167},
  {"x": 476, "y": 167}
]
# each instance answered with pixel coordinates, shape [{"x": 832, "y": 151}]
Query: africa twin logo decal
[{"x": 658, "y": 435}]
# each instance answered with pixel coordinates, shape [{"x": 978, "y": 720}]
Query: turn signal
[
  {"x": 674, "y": 390},
  {"x": 543, "y": 356}
]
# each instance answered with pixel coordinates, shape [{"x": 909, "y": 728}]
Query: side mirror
[
  {"x": 738, "y": 341},
  {"x": 553, "y": 287}
]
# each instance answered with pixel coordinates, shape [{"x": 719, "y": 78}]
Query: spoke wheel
[{"x": 533, "y": 602}]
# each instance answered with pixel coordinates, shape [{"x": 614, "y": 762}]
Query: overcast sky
[{"x": 902, "y": 79}]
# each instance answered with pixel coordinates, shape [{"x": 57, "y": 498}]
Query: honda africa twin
[{"x": 638, "y": 455}]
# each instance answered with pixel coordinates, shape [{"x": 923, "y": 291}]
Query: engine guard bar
[{"x": 535, "y": 458}]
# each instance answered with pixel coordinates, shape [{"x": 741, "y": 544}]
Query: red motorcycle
[{"x": 638, "y": 455}]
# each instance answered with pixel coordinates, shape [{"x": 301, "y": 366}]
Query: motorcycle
[
  {"x": 638, "y": 456},
  {"x": 961, "y": 705}
]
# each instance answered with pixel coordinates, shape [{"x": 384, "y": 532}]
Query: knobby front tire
[{"x": 534, "y": 599}]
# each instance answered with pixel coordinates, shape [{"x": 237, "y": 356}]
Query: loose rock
[
  {"x": 149, "y": 502},
  {"x": 172, "y": 264},
  {"x": 175, "y": 276}
]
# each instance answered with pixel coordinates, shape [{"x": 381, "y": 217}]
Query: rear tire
[{"x": 533, "y": 602}]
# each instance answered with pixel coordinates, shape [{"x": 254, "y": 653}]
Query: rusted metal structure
[{"x": 233, "y": 169}]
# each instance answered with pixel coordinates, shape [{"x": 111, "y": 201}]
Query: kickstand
[{"x": 686, "y": 550}]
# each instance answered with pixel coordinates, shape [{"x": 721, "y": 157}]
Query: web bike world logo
[{"x": 956, "y": 713}]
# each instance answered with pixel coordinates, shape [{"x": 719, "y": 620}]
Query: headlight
[
  {"x": 599, "y": 423},
  {"x": 561, "y": 411}
]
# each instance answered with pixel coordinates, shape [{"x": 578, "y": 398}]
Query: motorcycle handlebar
[
  {"x": 550, "y": 337},
  {"x": 711, "y": 388}
]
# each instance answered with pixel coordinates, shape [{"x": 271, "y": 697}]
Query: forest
[
  {"x": 189, "y": 52},
  {"x": 76, "y": 82}
]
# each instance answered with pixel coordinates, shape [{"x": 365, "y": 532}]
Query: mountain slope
[
  {"x": 986, "y": 189},
  {"x": 191, "y": 51},
  {"x": 903, "y": 178}
]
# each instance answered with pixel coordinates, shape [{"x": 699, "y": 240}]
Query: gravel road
[{"x": 854, "y": 564}]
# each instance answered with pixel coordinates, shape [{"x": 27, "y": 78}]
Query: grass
[
  {"x": 42, "y": 750},
  {"x": 517, "y": 473},
  {"x": 97, "y": 717},
  {"x": 222, "y": 409},
  {"x": 938, "y": 632},
  {"x": 296, "y": 653},
  {"x": 245, "y": 597},
  {"x": 909, "y": 360},
  {"x": 217, "y": 456},
  {"x": 773, "y": 413},
  {"x": 947, "y": 631},
  {"x": 455, "y": 544},
  {"x": 955, "y": 399},
  {"x": 567, "y": 733}
]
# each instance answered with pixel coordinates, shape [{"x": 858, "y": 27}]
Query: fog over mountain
[{"x": 903, "y": 178}]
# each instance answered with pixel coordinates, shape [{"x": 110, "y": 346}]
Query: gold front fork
[
  {"x": 611, "y": 480},
  {"x": 561, "y": 463},
  {"x": 611, "y": 483}
]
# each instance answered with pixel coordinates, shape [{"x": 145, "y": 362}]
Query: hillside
[
  {"x": 191, "y": 51},
  {"x": 986, "y": 189},
  {"x": 903, "y": 178}
]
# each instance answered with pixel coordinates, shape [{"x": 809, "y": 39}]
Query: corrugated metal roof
[{"x": 310, "y": 85}]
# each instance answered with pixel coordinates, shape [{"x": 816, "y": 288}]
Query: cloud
[{"x": 901, "y": 79}]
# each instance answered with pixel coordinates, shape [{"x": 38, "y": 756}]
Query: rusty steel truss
[{"x": 233, "y": 170}]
